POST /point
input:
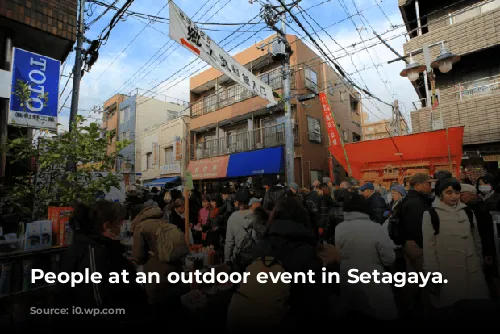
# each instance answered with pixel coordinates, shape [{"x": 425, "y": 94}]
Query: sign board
[
  {"x": 34, "y": 99},
  {"x": 183, "y": 30},
  {"x": 170, "y": 169},
  {"x": 331, "y": 127},
  {"x": 495, "y": 157},
  {"x": 178, "y": 150},
  {"x": 156, "y": 154},
  {"x": 188, "y": 180}
]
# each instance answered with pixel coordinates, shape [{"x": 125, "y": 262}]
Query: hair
[
  {"x": 290, "y": 208},
  {"x": 154, "y": 190},
  {"x": 487, "y": 178},
  {"x": 91, "y": 219},
  {"x": 355, "y": 202},
  {"x": 217, "y": 198},
  {"x": 448, "y": 182},
  {"x": 178, "y": 203},
  {"x": 323, "y": 185}
]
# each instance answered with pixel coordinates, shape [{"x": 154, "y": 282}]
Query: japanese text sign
[
  {"x": 183, "y": 30},
  {"x": 34, "y": 96},
  {"x": 331, "y": 128}
]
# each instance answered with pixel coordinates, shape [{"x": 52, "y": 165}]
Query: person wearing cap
[
  {"x": 412, "y": 211},
  {"x": 376, "y": 202},
  {"x": 451, "y": 247},
  {"x": 254, "y": 203},
  {"x": 236, "y": 225}
]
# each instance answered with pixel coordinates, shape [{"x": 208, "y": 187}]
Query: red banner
[
  {"x": 331, "y": 128},
  {"x": 330, "y": 169}
]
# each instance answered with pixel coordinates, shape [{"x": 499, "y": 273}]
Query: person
[
  {"x": 199, "y": 229},
  {"x": 397, "y": 194},
  {"x": 417, "y": 202},
  {"x": 324, "y": 216},
  {"x": 365, "y": 246},
  {"x": 289, "y": 240},
  {"x": 95, "y": 248},
  {"x": 450, "y": 242},
  {"x": 178, "y": 214},
  {"x": 375, "y": 201},
  {"x": 273, "y": 194},
  {"x": 237, "y": 225},
  {"x": 162, "y": 295}
]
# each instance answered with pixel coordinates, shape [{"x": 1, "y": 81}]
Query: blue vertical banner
[{"x": 34, "y": 99}]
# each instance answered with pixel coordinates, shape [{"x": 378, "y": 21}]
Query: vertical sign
[
  {"x": 178, "y": 149},
  {"x": 156, "y": 148},
  {"x": 330, "y": 169},
  {"x": 34, "y": 99},
  {"x": 183, "y": 30}
]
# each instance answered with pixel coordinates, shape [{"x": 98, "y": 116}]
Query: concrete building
[
  {"x": 468, "y": 93},
  {"x": 230, "y": 124},
  {"x": 137, "y": 115},
  {"x": 110, "y": 120},
  {"x": 163, "y": 151},
  {"x": 44, "y": 27},
  {"x": 381, "y": 128}
]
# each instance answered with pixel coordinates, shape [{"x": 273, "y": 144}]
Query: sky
[{"x": 140, "y": 55}]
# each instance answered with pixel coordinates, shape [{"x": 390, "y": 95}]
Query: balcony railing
[
  {"x": 246, "y": 141},
  {"x": 233, "y": 94}
]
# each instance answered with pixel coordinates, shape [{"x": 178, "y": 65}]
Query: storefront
[{"x": 165, "y": 182}]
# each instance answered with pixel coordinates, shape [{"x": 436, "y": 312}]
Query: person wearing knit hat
[{"x": 400, "y": 189}]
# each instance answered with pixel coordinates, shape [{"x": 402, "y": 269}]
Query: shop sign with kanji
[{"x": 183, "y": 30}]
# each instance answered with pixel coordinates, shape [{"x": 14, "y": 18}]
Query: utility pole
[
  {"x": 397, "y": 117},
  {"x": 289, "y": 135},
  {"x": 77, "y": 70}
]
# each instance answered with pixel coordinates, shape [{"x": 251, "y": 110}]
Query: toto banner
[{"x": 34, "y": 99}]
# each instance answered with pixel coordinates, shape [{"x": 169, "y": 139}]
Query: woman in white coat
[
  {"x": 452, "y": 247},
  {"x": 364, "y": 245}
]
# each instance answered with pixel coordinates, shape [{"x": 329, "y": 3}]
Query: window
[
  {"x": 346, "y": 136},
  {"x": 126, "y": 114},
  {"x": 342, "y": 97},
  {"x": 124, "y": 135},
  {"x": 330, "y": 88},
  {"x": 314, "y": 129},
  {"x": 311, "y": 80},
  {"x": 149, "y": 160},
  {"x": 169, "y": 156}
]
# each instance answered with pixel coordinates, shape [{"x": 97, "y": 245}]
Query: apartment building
[
  {"x": 234, "y": 136},
  {"x": 468, "y": 94},
  {"x": 163, "y": 152},
  {"x": 137, "y": 115},
  {"x": 45, "y": 27},
  {"x": 110, "y": 119},
  {"x": 381, "y": 128}
]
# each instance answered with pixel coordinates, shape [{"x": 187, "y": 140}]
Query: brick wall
[
  {"x": 477, "y": 33},
  {"x": 57, "y": 17}
]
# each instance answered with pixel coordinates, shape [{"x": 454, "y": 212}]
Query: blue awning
[
  {"x": 266, "y": 161},
  {"x": 161, "y": 182}
]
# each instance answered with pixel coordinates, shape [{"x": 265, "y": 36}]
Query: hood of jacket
[
  {"x": 151, "y": 212},
  {"x": 349, "y": 216},
  {"x": 439, "y": 205}
]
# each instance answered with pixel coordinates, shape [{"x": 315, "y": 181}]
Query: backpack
[
  {"x": 435, "y": 218},
  {"x": 396, "y": 225},
  {"x": 170, "y": 242},
  {"x": 244, "y": 256},
  {"x": 268, "y": 303}
]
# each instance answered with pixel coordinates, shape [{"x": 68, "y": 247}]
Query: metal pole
[
  {"x": 289, "y": 136},
  {"x": 77, "y": 70},
  {"x": 398, "y": 117},
  {"x": 4, "y": 107},
  {"x": 417, "y": 13}
]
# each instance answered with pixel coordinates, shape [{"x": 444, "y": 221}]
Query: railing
[
  {"x": 473, "y": 11},
  {"x": 471, "y": 89},
  {"x": 233, "y": 94},
  {"x": 246, "y": 141}
]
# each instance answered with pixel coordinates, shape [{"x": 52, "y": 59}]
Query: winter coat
[
  {"x": 455, "y": 253},
  {"x": 295, "y": 246},
  {"x": 102, "y": 255},
  {"x": 144, "y": 251},
  {"x": 272, "y": 196},
  {"x": 235, "y": 232},
  {"x": 412, "y": 212},
  {"x": 260, "y": 221},
  {"x": 367, "y": 247},
  {"x": 377, "y": 208}
]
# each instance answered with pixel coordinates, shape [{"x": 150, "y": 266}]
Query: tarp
[
  {"x": 213, "y": 168},
  {"x": 402, "y": 149},
  {"x": 259, "y": 162},
  {"x": 161, "y": 182}
]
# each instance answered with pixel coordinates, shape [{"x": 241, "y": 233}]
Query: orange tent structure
[{"x": 402, "y": 150}]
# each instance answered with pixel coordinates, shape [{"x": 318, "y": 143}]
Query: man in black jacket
[
  {"x": 273, "y": 194},
  {"x": 376, "y": 202},
  {"x": 417, "y": 202}
]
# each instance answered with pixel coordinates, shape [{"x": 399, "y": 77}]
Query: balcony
[
  {"x": 227, "y": 96},
  {"x": 242, "y": 142},
  {"x": 465, "y": 31}
]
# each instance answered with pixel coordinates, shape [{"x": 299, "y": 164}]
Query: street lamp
[
  {"x": 445, "y": 60},
  {"x": 412, "y": 70}
]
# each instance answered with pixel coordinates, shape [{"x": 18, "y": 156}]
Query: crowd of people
[{"x": 437, "y": 224}]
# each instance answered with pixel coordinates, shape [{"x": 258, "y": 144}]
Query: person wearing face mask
[
  {"x": 95, "y": 248},
  {"x": 451, "y": 246}
]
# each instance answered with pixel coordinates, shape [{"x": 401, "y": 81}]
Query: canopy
[
  {"x": 212, "y": 168},
  {"x": 401, "y": 149},
  {"x": 161, "y": 182},
  {"x": 259, "y": 162}
]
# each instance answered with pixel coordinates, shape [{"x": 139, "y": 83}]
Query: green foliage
[
  {"x": 56, "y": 185},
  {"x": 22, "y": 91}
]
